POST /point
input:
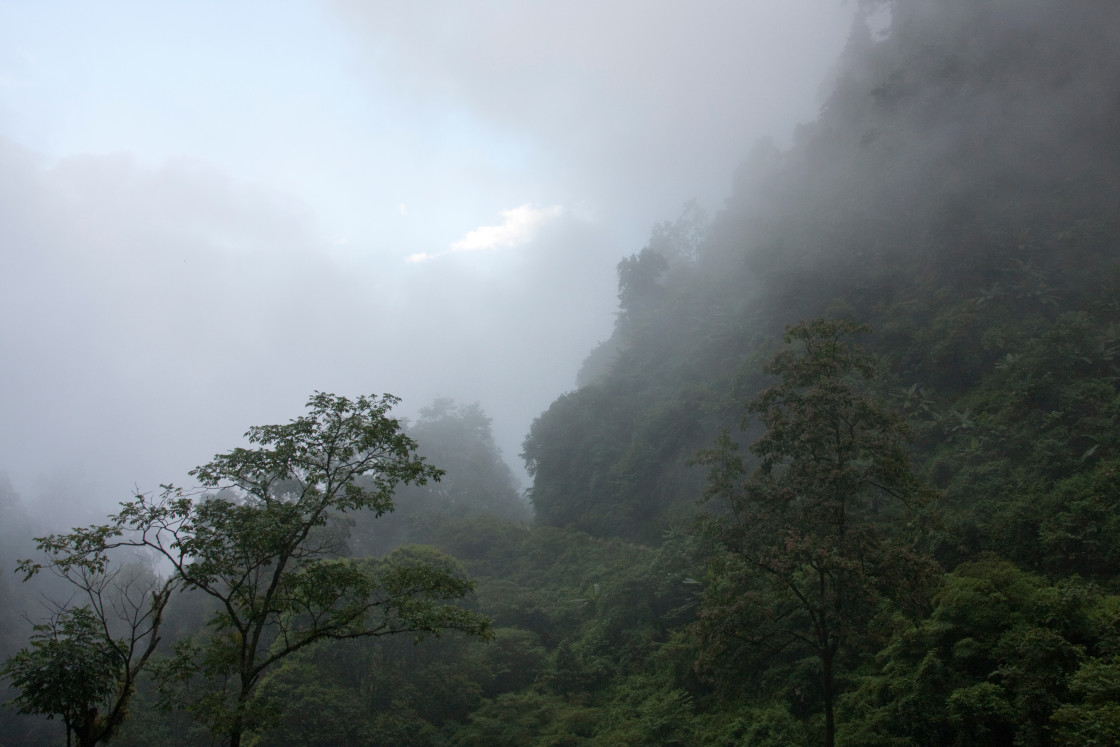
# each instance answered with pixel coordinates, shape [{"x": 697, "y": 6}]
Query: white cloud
[{"x": 520, "y": 226}]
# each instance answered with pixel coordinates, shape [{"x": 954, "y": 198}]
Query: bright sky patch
[{"x": 520, "y": 226}]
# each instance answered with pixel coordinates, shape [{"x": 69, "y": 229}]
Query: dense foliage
[
  {"x": 906, "y": 536},
  {"x": 825, "y": 537},
  {"x": 68, "y": 671},
  {"x": 260, "y": 550}
]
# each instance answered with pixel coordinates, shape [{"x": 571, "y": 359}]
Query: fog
[{"x": 207, "y": 212}]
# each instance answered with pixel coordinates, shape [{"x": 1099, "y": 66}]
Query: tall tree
[
  {"x": 812, "y": 545},
  {"x": 261, "y": 547}
]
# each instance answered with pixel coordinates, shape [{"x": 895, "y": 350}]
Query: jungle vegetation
[{"x": 847, "y": 472}]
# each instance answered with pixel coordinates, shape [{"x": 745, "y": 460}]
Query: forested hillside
[
  {"x": 958, "y": 194},
  {"x": 846, "y": 472}
]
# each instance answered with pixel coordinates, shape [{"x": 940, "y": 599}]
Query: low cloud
[
  {"x": 634, "y": 106},
  {"x": 156, "y": 302},
  {"x": 150, "y": 314},
  {"x": 519, "y": 227}
]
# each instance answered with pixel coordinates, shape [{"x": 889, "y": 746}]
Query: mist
[
  {"x": 208, "y": 212},
  {"x": 801, "y": 319}
]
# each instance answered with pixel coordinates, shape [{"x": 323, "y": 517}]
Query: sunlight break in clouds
[{"x": 519, "y": 227}]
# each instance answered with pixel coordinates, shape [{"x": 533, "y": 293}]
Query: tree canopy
[
  {"x": 263, "y": 548},
  {"x": 812, "y": 552}
]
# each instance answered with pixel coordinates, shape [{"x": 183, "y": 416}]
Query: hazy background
[{"x": 210, "y": 209}]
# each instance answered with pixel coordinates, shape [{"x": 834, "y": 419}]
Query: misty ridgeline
[{"x": 846, "y": 472}]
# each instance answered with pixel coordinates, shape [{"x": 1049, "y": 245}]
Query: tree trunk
[
  {"x": 235, "y": 732},
  {"x": 829, "y": 695},
  {"x": 237, "y": 726},
  {"x": 86, "y": 732}
]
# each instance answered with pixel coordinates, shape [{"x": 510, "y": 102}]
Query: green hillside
[{"x": 959, "y": 193}]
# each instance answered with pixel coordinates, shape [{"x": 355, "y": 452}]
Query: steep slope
[{"x": 960, "y": 192}]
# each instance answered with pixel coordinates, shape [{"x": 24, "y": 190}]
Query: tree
[
  {"x": 84, "y": 661},
  {"x": 459, "y": 439},
  {"x": 811, "y": 548},
  {"x": 638, "y": 283},
  {"x": 70, "y": 671},
  {"x": 266, "y": 547},
  {"x": 476, "y": 481}
]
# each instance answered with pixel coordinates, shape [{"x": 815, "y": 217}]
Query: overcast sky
[{"x": 209, "y": 209}]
